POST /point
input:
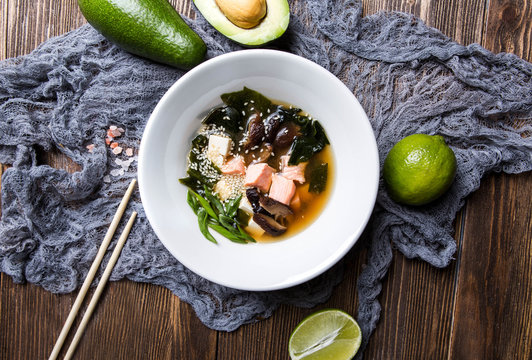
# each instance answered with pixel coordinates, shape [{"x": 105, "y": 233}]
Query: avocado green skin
[{"x": 148, "y": 28}]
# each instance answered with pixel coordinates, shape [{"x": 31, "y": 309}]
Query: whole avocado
[{"x": 148, "y": 28}]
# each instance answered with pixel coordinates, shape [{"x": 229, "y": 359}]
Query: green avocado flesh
[
  {"x": 270, "y": 28},
  {"x": 148, "y": 28}
]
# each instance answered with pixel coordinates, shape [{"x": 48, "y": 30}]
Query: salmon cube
[
  {"x": 259, "y": 176},
  {"x": 293, "y": 172},
  {"x": 234, "y": 166},
  {"x": 282, "y": 189}
]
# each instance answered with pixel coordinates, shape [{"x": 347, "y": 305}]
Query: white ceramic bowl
[{"x": 279, "y": 76}]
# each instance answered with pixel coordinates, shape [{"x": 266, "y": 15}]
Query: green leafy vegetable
[
  {"x": 226, "y": 116},
  {"x": 212, "y": 213},
  {"x": 246, "y": 99},
  {"x": 202, "y": 222},
  {"x": 206, "y": 206},
  {"x": 311, "y": 141},
  {"x": 318, "y": 178},
  {"x": 199, "y": 169},
  {"x": 232, "y": 206}
]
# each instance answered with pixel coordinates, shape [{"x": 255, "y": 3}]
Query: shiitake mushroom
[
  {"x": 285, "y": 135},
  {"x": 269, "y": 224},
  {"x": 269, "y": 211},
  {"x": 256, "y": 132}
]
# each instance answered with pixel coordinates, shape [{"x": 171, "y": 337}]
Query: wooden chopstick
[
  {"x": 92, "y": 271},
  {"x": 101, "y": 285}
]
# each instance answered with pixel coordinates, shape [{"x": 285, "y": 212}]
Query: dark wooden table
[{"x": 480, "y": 307}]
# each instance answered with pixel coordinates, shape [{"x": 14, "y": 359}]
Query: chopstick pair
[{"x": 90, "y": 276}]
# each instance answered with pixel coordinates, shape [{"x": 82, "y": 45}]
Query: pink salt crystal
[
  {"x": 129, "y": 152},
  {"x": 90, "y": 147},
  {"x": 116, "y": 133},
  {"x": 117, "y": 150},
  {"x": 121, "y": 130},
  {"x": 112, "y": 127}
]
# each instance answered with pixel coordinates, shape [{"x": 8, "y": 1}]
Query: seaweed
[
  {"x": 247, "y": 100},
  {"x": 311, "y": 141},
  {"x": 318, "y": 177}
]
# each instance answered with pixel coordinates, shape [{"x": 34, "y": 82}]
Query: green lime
[
  {"x": 419, "y": 169},
  {"x": 328, "y": 334}
]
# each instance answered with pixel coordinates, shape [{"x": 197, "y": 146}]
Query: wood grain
[
  {"x": 479, "y": 307},
  {"x": 493, "y": 314}
]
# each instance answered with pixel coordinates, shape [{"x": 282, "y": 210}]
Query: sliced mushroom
[
  {"x": 271, "y": 125},
  {"x": 286, "y": 135},
  {"x": 269, "y": 225},
  {"x": 255, "y": 134},
  {"x": 263, "y": 153},
  {"x": 274, "y": 207},
  {"x": 253, "y": 196}
]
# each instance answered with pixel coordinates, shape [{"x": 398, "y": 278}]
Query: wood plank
[
  {"x": 417, "y": 299},
  {"x": 132, "y": 320},
  {"x": 509, "y": 27},
  {"x": 494, "y": 306},
  {"x": 410, "y": 328},
  {"x": 268, "y": 339},
  {"x": 461, "y": 20}
]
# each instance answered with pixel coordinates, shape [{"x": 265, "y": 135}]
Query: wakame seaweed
[
  {"x": 227, "y": 117},
  {"x": 318, "y": 177},
  {"x": 247, "y": 100},
  {"x": 197, "y": 179},
  {"x": 311, "y": 141}
]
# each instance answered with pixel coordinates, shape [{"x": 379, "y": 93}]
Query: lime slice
[{"x": 327, "y": 334}]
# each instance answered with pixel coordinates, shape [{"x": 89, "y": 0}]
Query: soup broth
[{"x": 258, "y": 170}]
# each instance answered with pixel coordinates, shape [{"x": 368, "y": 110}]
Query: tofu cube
[
  {"x": 245, "y": 205},
  {"x": 219, "y": 147},
  {"x": 253, "y": 228}
]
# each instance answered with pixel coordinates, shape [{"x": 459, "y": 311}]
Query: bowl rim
[{"x": 349, "y": 241}]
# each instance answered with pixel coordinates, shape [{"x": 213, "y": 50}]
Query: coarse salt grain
[
  {"x": 117, "y": 150},
  {"x": 90, "y": 147},
  {"x": 117, "y": 172},
  {"x": 112, "y": 127},
  {"x": 113, "y": 145},
  {"x": 129, "y": 152}
]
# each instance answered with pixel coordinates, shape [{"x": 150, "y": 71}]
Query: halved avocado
[{"x": 272, "y": 26}]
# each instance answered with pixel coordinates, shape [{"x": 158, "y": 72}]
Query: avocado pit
[{"x": 245, "y": 14}]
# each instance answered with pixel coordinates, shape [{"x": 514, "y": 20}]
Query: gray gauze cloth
[{"x": 409, "y": 78}]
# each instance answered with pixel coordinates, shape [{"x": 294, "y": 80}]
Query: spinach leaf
[{"x": 318, "y": 178}]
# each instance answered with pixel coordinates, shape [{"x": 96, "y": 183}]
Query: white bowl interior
[{"x": 280, "y": 76}]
